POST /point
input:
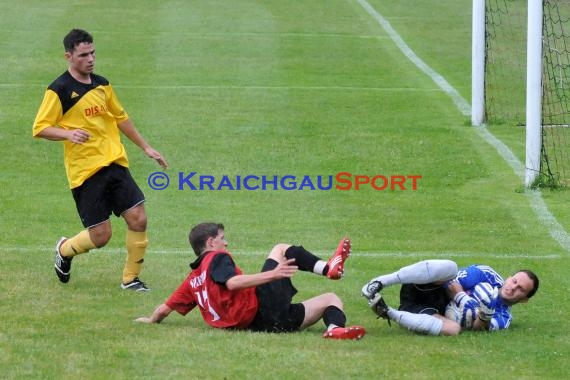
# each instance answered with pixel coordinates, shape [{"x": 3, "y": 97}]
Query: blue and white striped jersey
[{"x": 472, "y": 275}]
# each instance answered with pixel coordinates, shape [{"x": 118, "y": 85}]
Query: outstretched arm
[
  {"x": 285, "y": 269},
  {"x": 161, "y": 312}
]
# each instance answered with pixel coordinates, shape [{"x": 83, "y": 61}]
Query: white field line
[
  {"x": 554, "y": 228},
  {"x": 230, "y": 87},
  {"x": 459, "y": 101},
  {"x": 324, "y": 254},
  {"x": 303, "y": 88},
  {"x": 545, "y": 217}
]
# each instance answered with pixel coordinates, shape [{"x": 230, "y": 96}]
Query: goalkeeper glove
[
  {"x": 486, "y": 294},
  {"x": 463, "y": 301}
]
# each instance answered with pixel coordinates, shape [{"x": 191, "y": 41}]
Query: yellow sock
[
  {"x": 136, "y": 248},
  {"x": 77, "y": 245}
]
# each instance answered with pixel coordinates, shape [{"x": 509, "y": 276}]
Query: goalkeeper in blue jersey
[
  {"x": 481, "y": 289},
  {"x": 431, "y": 288}
]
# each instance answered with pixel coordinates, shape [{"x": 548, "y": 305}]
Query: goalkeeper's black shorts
[{"x": 423, "y": 299}]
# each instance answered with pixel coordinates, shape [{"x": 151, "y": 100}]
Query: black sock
[
  {"x": 333, "y": 315},
  {"x": 304, "y": 259}
]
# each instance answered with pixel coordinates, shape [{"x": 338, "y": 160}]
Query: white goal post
[
  {"x": 533, "y": 91},
  {"x": 533, "y": 81},
  {"x": 478, "y": 63}
]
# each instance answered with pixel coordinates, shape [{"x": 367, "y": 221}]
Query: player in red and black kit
[{"x": 227, "y": 298}]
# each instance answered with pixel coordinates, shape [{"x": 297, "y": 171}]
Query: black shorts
[
  {"x": 111, "y": 190},
  {"x": 423, "y": 299},
  {"x": 276, "y": 313}
]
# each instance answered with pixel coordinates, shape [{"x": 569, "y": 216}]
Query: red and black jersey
[{"x": 220, "y": 307}]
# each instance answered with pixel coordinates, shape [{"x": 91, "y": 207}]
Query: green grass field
[{"x": 269, "y": 88}]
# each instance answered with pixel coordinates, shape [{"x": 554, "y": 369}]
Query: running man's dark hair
[{"x": 76, "y": 37}]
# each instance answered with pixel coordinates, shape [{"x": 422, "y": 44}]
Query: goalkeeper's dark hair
[
  {"x": 76, "y": 37},
  {"x": 534, "y": 279},
  {"x": 200, "y": 234}
]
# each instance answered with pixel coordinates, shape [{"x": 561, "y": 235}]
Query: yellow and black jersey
[{"x": 93, "y": 107}]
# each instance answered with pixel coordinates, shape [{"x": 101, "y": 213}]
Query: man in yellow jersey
[{"x": 81, "y": 109}]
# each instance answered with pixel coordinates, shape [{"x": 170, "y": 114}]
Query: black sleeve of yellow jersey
[
  {"x": 70, "y": 91},
  {"x": 222, "y": 268}
]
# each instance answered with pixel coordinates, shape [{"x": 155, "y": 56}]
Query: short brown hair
[{"x": 200, "y": 233}]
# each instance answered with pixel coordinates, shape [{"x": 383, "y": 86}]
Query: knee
[
  {"x": 100, "y": 237},
  {"x": 442, "y": 270},
  {"x": 140, "y": 224},
  {"x": 278, "y": 252},
  {"x": 136, "y": 219},
  {"x": 333, "y": 300},
  {"x": 450, "y": 328},
  {"x": 280, "y": 247},
  {"x": 450, "y": 269}
]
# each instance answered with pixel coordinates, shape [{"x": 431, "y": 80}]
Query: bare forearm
[
  {"x": 453, "y": 289},
  {"x": 161, "y": 312},
  {"x": 285, "y": 269},
  {"x": 129, "y": 130},
  {"x": 244, "y": 281},
  {"x": 53, "y": 133},
  {"x": 76, "y": 136}
]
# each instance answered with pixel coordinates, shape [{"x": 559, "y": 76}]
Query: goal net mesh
[{"x": 505, "y": 78}]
